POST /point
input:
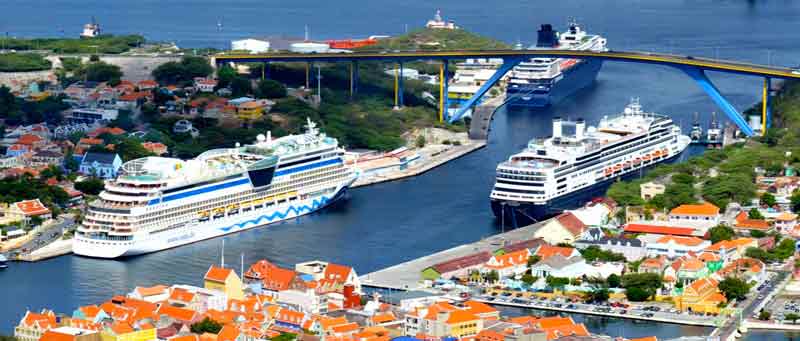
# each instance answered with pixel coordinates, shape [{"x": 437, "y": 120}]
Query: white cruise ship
[
  {"x": 563, "y": 172},
  {"x": 158, "y": 203}
]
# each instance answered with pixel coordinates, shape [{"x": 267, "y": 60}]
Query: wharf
[
  {"x": 408, "y": 275},
  {"x": 426, "y": 163},
  {"x": 689, "y": 320},
  {"x": 57, "y": 248}
]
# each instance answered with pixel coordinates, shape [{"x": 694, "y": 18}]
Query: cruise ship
[
  {"x": 158, "y": 203},
  {"x": 541, "y": 82},
  {"x": 563, "y": 172}
]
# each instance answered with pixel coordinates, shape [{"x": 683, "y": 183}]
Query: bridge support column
[
  {"x": 702, "y": 80},
  {"x": 766, "y": 106},
  {"x": 443, "y": 80},
  {"x": 508, "y": 64},
  {"x": 400, "y": 88},
  {"x": 308, "y": 75}
]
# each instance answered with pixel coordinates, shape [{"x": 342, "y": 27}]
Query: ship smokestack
[
  {"x": 557, "y": 127},
  {"x": 546, "y": 37},
  {"x": 580, "y": 129}
]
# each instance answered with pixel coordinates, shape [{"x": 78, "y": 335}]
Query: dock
[
  {"x": 57, "y": 248},
  {"x": 426, "y": 163},
  {"x": 408, "y": 275}
]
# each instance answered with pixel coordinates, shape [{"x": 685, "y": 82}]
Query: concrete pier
[
  {"x": 408, "y": 275},
  {"x": 57, "y": 248}
]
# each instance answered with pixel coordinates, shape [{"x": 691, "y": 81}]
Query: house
[
  {"x": 124, "y": 331},
  {"x": 785, "y": 222},
  {"x": 132, "y": 100},
  {"x": 273, "y": 278},
  {"x": 224, "y": 280},
  {"x": 593, "y": 214},
  {"x": 33, "y": 325},
  {"x": 749, "y": 270},
  {"x": 205, "y": 85},
  {"x": 744, "y": 224},
  {"x": 102, "y": 165},
  {"x": 71, "y": 334},
  {"x": 442, "y": 319},
  {"x": 705, "y": 214},
  {"x": 650, "y": 189},
  {"x": 116, "y": 131},
  {"x": 457, "y": 267},
  {"x": 156, "y": 148},
  {"x": 25, "y": 210},
  {"x": 655, "y": 265},
  {"x": 575, "y": 267},
  {"x": 147, "y": 84},
  {"x": 732, "y": 249},
  {"x": 17, "y": 150},
  {"x": 90, "y": 115},
  {"x": 673, "y": 246},
  {"x": 687, "y": 269},
  {"x": 329, "y": 271},
  {"x": 555, "y": 327},
  {"x": 156, "y": 293},
  {"x": 249, "y": 111},
  {"x": 664, "y": 228},
  {"x": 509, "y": 264},
  {"x": 547, "y": 251},
  {"x": 31, "y": 140},
  {"x": 632, "y": 248},
  {"x": 44, "y": 158},
  {"x": 701, "y": 296},
  {"x": 565, "y": 228}
]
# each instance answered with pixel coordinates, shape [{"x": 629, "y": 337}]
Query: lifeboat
[
  {"x": 646, "y": 157},
  {"x": 617, "y": 168},
  {"x": 637, "y": 161},
  {"x": 609, "y": 171},
  {"x": 628, "y": 164}
]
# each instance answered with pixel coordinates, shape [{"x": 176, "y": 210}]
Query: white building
[
  {"x": 574, "y": 267},
  {"x": 673, "y": 246},
  {"x": 251, "y": 45},
  {"x": 306, "y": 301}
]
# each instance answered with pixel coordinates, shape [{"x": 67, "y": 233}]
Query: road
[
  {"x": 47, "y": 236},
  {"x": 754, "y": 300}
]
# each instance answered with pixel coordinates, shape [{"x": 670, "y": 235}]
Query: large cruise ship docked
[
  {"x": 158, "y": 203},
  {"x": 541, "y": 82},
  {"x": 562, "y": 172}
]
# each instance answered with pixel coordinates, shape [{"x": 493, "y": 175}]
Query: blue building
[{"x": 102, "y": 165}]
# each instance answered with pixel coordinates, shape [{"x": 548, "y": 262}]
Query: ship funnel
[
  {"x": 557, "y": 127},
  {"x": 580, "y": 129},
  {"x": 546, "y": 37}
]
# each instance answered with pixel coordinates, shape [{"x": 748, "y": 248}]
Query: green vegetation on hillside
[
  {"x": 26, "y": 187},
  {"x": 433, "y": 39},
  {"x": 182, "y": 72},
  {"x": 22, "y": 62},
  {"x": 14, "y": 111},
  {"x": 107, "y": 44}
]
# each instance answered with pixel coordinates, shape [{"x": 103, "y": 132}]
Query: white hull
[{"x": 196, "y": 231}]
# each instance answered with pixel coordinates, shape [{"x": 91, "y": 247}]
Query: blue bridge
[{"x": 694, "y": 67}]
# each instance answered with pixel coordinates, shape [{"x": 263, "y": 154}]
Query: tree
[
  {"x": 795, "y": 198},
  {"x": 492, "y": 276},
  {"x": 269, "y": 88},
  {"x": 757, "y": 234},
  {"x": 792, "y": 317},
  {"x": 52, "y": 171},
  {"x": 7, "y": 338},
  {"x": 529, "y": 279},
  {"x": 207, "y": 325},
  {"x": 595, "y": 253},
  {"x": 225, "y": 75},
  {"x": 637, "y": 294},
  {"x": 754, "y": 213},
  {"x": 285, "y": 337},
  {"x": 768, "y": 199},
  {"x": 721, "y": 232},
  {"x": 533, "y": 259},
  {"x": 598, "y": 295},
  {"x": 101, "y": 72},
  {"x": 241, "y": 86},
  {"x": 130, "y": 149},
  {"x": 734, "y": 288},
  {"x": 420, "y": 141},
  {"x": 614, "y": 281},
  {"x": 557, "y": 282},
  {"x": 92, "y": 186},
  {"x": 757, "y": 253},
  {"x": 183, "y": 71},
  {"x": 764, "y": 315}
]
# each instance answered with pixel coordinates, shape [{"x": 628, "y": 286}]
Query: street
[{"x": 47, "y": 236}]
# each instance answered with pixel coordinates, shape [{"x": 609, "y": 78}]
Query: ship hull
[
  {"x": 194, "y": 232},
  {"x": 574, "y": 79},
  {"x": 515, "y": 213}
]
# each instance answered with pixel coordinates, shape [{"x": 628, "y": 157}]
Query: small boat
[{"x": 3, "y": 262}]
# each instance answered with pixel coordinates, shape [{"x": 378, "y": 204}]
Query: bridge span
[{"x": 694, "y": 67}]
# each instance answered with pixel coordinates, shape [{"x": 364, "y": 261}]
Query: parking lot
[{"x": 783, "y": 306}]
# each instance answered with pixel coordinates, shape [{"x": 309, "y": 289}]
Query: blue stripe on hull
[{"x": 575, "y": 79}]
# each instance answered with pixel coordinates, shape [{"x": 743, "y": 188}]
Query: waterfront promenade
[{"x": 407, "y": 275}]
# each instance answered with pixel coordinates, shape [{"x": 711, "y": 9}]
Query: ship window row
[
  {"x": 310, "y": 158},
  {"x": 522, "y": 172},
  {"x": 607, "y": 150},
  {"x": 589, "y": 163},
  {"x": 296, "y": 157},
  {"x": 514, "y": 190},
  {"x": 604, "y": 164},
  {"x": 521, "y": 177},
  {"x": 520, "y": 183}
]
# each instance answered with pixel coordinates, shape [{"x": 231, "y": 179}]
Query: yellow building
[
  {"x": 224, "y": 280},
  {"x": 249, "y": 111},
  {"x": 124, "y": 332},
  {"x": 701, "y": 296}
]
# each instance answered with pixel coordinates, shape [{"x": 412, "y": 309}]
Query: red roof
[
  {"x": 28, "y": 139},
  {"x": 570, "y": 222},
  {"x": 337, "y": 272},
  {"x": 462, "y": 262},
  {"x": 32, "y": 207},
  {"x": 134, "y": 96},
  {"x": 148, "y": 83},
  {"x": 673, "y": 230},
  {"x": 217, "y": 274}
]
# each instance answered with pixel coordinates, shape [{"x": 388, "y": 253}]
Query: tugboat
[
  {"x": 697, "y": 132},
  {"x": 91, "y": 30},
  {"x": 714, "y": 134},
  {"x": 3, "y": 262}
]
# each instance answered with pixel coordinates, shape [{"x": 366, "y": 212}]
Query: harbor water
[{"x": 386, "y": 224}]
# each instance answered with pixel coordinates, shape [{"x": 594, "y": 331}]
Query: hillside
[{"x": 438, "y": 39}]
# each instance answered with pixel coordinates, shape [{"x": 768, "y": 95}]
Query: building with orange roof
[
  {"x": 90, "y": 313},
  {"x": 24, "y": 211},
  {"x": 70, "y": 334},
  {"x": 33, "y": 325},
  {"x": 183, "y": 298},
  {"x": 156, "y": 148},
  {"x": 705, "y": 214},
  {"x": 673, "y": 246},
  {"x": 177, "y": 314},
  {"x": 547, "y": 251},
  {"x": 700, "y": 296},
  {"x": 785, "y": 222},
  {"x": 382, "y": 318},
  {"x": 732, "y": 249},
  {"x": 156, "y": 293},
  {"x": 654, "y": 265},
  {"x": 482, "y": 310},
  {"x": 336, "y": 272},
  {"x": 228, "y": 333},
  {"x": 31, "y": 140},
  {"x": 744, "y": 224},
  {"x": 509, "y": 264},
  {"x": 224, "y": 280},
  {"x": 116, "y": 131},
  {"x": 747, "y": 269},
  {"x": 290, "y": 319},
  {"x": 273, "y": 278},
  {"x": 564, "y": 228},
  {"x": 132, "y": 100},
  {"x": 647, "y": 338}
]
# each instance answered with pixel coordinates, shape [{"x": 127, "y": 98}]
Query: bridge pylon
[{"x": 702, "y": 80}]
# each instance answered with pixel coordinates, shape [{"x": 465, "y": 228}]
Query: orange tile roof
[
  {"x": 546, "y": 251},
  {"x": 567, "y": 330},
  {"x": 658, "y": 229},
  {"x": 382, "y": 318},
  {"x": 28, "y": 139},
  {"x": 692, "y": 264},
  {"x": 181, "y": 295},
  {"x": 730, "y": 244},
  {"x": 509, "y": 259},
  {"x": 228, "y": 333},
  {"x": 147, "y": 82},
  {"x": 436, "y": 308},
  {"x": 480, "y": 307},
  {"x": 704, "y": 209},
  {"x": 700, "y": 284},
  {"x": 51, "y": 335},
  {"x": 653, "y": 263},
  {"x": 648, "y": 338},
  {"x": 133, "y": 96},
  {"x": 32, "y": 207},
  {"x": 217, "y": 274},
  {"x": 708, "y": 257},
  {"x": 570, "y": 222},
  {"x": 687, "y": 241},
  {"x": 180, "y": 314},
  {"x": 328, "y": 322},
  {"x": 337, "y": 272},
  {"x": 121, "y": 328},
  {"x": 461, "y": 316},
  {"x": 345, "y": 328},
  {"x": 554, "y": 321},
  {"x": 151, "y": 291},
  {"x": 743, "y": 222},
  {"x": 45, "y": 320},
  {"x": 189, "y": 337},
  {"x": 90, "y": 141}
]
